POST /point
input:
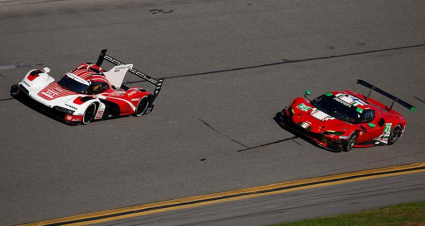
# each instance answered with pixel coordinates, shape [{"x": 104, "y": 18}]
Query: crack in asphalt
[
  {"x": 297, "y": 143},
  {"x": 222, "y": 133},
  {"x": 286, "y": 61},
  {"x": 271, "y": 143},
  {"x": 419, "y": 99},
  {"x": 247, "y": 148}
]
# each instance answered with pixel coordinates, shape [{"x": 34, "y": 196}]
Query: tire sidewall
[
  {"x": 348, "y": 146},
  {"x": 390, "y": 141},
  {"x": 138, "y": 105},
  {"x": 85, "y": 112}
]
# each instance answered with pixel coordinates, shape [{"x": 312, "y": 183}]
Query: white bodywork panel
[{"x": 116, "y": 75}]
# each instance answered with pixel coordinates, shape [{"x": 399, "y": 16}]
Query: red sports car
[
  {"x": 88, "y": 92},
  {"x": 342, "y": 120}
]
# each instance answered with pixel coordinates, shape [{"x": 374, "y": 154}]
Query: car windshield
[
  {"x": 72, "y": 84},
  {"x": 337, "y": 109}
]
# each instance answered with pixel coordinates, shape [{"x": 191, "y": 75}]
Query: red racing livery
[
  {"x": 88, "y": 92},
  {"x": 345, "y": 119}
]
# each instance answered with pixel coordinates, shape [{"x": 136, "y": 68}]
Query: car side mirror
[
  {"x": 371, "y": 125},
  {"x": 46, "y": 69},
  {"x": 307, "y": 93}
]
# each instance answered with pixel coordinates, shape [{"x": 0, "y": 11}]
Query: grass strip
[{"x": 410, "y": 214}]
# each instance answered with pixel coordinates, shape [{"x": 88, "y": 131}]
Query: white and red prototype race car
[{"x": 88, "y": 92}]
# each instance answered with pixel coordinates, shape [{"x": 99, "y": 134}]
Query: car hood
[
  {"x": 311, "y": 118},
  {"x": 54, "y": 95},
  {"x": 54, "y": 91}
]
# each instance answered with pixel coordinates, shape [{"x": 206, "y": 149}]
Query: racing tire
[
  {"x": 394, "y": 135},
  {"x": 89, "y": 114},
  {"x": 14, "y": 89},
  {"x": 351, "y": 141},
  {"x": 142, "y": 106}
]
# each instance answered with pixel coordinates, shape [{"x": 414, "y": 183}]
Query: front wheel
[
  {"x": 89, "y": 114},
  {"x": 142, "y": 106},
  {"x": 14, "y": 90},
  {"x": 394, "y": 135},
  {"x": 351, "y": 141}
]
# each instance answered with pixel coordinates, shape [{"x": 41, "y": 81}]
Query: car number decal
[
  {"x": 99, "y": 115},
  {"x": 386, "y": 134}
]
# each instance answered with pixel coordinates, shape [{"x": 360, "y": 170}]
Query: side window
[{"x": 368, "y": 116}]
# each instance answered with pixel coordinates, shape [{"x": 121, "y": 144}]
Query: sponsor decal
[
  {"x": 71, "y": 106},
  {"x": 131, "y": 93},
  {"x": 152, "y": 80},
  {"x": 135, "y": 99},
  {"x": 50, "y": 93},
  {"x": 26, "y": 83},
  {"x": 68, "y": 118},
  {"x": 303, "y": 107},
  {"x": 134, "y": 71},
  {"x": 343, "y": 137},
  {"x": 305, "y": 125},
  {"x": 349, "y": 100},
  {"x": 342, "y": 102},
  {"x": 117, "y": 69},
  {"x": 321, "y": 115}
]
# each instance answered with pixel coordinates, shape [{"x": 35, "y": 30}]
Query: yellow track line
[{"x": 183, "y": 203}]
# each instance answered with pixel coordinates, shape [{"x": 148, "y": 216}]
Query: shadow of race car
[
  {"x": 341, "y": 120},
  {"x": 88, "y": 92}
]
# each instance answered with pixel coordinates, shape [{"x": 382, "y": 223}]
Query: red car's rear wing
[
  {"x": 395, "y": 99},
  {"x": 156, "y": 82}
]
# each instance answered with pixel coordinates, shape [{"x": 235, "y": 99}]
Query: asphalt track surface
[
  {"x": 293, "y": 206},
  {"x": 229, "y": 67}
]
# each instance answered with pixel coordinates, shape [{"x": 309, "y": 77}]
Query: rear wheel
[
  {"x": 394, "y": 135},
  {"x": 142, "y": 106},
  {"x": 89, "y": 114},
  {"x": 351, "y": 141}
]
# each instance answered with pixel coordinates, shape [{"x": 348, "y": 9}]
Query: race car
[
  {"x": 342, "y": 120},
  {"x": 88, "y": 92}
]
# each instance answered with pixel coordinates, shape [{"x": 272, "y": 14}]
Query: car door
[{"x": 372, "y": 125}]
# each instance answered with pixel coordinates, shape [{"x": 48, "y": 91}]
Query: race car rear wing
[
  {"x": 156, "y": 82},
  {"x": 395, "y": 99}
]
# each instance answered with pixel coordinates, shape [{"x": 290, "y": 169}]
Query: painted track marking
[{"x": 189, "y": 202}]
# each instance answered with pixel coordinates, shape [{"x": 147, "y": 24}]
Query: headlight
[{"x": 64, "y": 110}]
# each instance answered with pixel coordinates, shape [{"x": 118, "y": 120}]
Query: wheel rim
[
  {"x": 351, "y": 142},
  {"x": 395, "y": 134},
  {"x": 88, "y": 115},
  {"x": 142, "y": 106}
]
